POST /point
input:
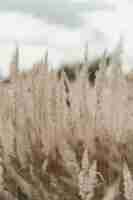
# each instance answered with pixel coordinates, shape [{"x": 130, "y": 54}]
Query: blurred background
[{"x": 63, "y": 27}]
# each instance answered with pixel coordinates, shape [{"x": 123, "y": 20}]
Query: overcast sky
[{"x": 63, "y": 26}]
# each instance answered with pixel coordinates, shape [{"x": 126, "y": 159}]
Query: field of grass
[{"x": 52, "y": 151}]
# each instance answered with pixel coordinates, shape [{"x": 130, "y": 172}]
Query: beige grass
[{"x": 52, "y": 151}]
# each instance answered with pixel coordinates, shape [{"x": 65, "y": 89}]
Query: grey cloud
[{"x": 62, "y": 12}]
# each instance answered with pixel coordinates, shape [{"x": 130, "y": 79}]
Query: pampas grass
[
  {"x": 87, "y": 178},
  {"x": 128, "y": 182},
  {"x": 52, "y": 149}
]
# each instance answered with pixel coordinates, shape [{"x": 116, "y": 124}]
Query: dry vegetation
[{"x": 52, "y": 151}]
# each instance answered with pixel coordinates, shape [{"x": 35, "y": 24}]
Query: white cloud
[
  {"x": 24, "y": 28},
  {"x": 34, "y": 36},
  {"x": 113, "y": 24}
]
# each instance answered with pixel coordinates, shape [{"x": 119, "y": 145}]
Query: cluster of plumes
[
  {"x": 72, "y": 71},
  {"x": 52, "y": 151}
]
